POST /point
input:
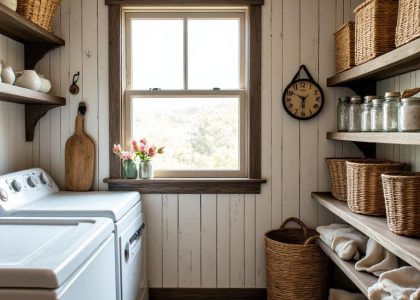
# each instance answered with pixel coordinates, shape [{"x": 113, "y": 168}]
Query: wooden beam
[{"x": 183, "y": 2}]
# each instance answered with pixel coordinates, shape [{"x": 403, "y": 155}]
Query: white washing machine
[
  {"x": 33, "y": 193},
  {"x": 57, "y": 259}
]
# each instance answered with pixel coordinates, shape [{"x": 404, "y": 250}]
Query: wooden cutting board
[{"x": 80, "y": 159}]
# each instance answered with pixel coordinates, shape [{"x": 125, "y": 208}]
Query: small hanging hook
[{"x": 74, "y": 88}]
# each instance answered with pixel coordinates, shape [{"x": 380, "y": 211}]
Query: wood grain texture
[
  {"x": 183, "y": 2},
  {"x": 408, "y": 249},
  {"x": 401, "y": 138},
  {"x": 188, "y": 186},
  {"x": 207, "y": 294},
  {"x": 80, "y": 159}
]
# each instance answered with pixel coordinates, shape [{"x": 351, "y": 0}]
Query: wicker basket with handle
[
  {"x": 40, "y": 12},
  {"x": 375, "y": 23},
  {"x": 408, "y": 24},
  {"x": 296, "y": 267},
  {"x": 344, "y": 47},
  {"x": 364, "y": 185},
  {"x": 402, "y": 191}
]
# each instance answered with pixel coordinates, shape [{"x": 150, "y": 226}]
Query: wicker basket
[
  {"x": 338, "y": 176},
  {"x": 376, "y": 21},
  {"x": 364, "y": 185},
  {"x": 402, "y": 191},
  {"x": 408, "y": 24},
  {"x": 296, "y": 267},
  {"x": 40, "y": 12},
  {"x": 344, "y": 47}
]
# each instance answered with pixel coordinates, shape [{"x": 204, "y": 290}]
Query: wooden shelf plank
[
  {"x": 18, "y": 28},
  {"x": 398, "y": 61},
  {"x": 402, "y": 138},
  {"x": 11, "y": 93},
  {"x": 361, "y": 279},
  {"x": 408, "y": 249}
]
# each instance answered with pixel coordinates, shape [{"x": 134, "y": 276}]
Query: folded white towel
[
  {"x": 345, "y": 240},
  {"x": 399, "y": 284},
  {"x": 377, "y": 259},
  {"x": 336, "y": 294}
]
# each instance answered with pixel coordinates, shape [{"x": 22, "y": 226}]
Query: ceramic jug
[
  {"x": 7, "y": 74},
  {"x": 28, "y": 79},
  {"x": 45, "y": 85}
]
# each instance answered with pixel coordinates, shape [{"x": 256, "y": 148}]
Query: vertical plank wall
[{"x": 202, "y": 240}]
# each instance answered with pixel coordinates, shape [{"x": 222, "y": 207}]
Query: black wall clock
[{"x": 303, "y": 99}]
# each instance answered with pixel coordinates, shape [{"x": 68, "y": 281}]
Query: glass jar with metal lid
[
  {"x": 355, "y": 114},
  {"x": 390, "y": 111},
  {"x": 367, "y": 106},
  {"x": 409, "y": 114},
  {"x": 343, "y": 113},
  {"x": 376, "y": 115}
]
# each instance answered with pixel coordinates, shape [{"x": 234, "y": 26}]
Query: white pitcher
[
  {"x": 28, "y": 79},
  {"x": 45, "y": 84},
  {"x": 7, "y": 74}
]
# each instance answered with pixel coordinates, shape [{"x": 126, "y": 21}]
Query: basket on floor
[
  {"x": 408, "y": 24},
  {"x": 364, "y": 185},
  {"x": 344, "y": 47},
  {"x": 40, "y": 12},
  {"x": 296, "y": 267},
  {"x": 338, "y": 176},
  {"x": 375, "y": 23},
  {"x": 402, "y": 192}
]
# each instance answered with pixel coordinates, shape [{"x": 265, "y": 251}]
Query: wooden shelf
[
  {"x": 401, "y": 138},
  {"x": 408, "y": 249},
  {"x": 361, "y": 279},
  {"x": 398, "y": 61},
  {"x": 37, "y": 40},
  {"x": 12, "y": 93}
]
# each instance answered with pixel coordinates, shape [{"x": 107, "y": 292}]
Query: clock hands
[{"x": 302, "y": 101}]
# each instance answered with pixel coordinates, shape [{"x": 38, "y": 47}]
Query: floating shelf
[
  {"x": 400, "y": 138},
  {"x": 15, "y": 94},
  {"x": 361, "y": 279},
  {"x": 363, "y": 77},
  {"x": 408, "y": 249}
]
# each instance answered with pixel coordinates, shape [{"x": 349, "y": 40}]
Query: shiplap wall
[
  {"x": 207, "y": 240},
  {"x": 404, "y": 153}
]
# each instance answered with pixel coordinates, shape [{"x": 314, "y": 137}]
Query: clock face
[{"x": 303, "y": 99}]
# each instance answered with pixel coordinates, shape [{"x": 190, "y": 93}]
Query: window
[{"x": 186, "y": 89}]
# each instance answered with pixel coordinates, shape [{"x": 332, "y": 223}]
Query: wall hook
[{"x": 74, "y": 88}]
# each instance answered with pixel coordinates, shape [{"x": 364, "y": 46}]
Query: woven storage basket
[
  {"x": 338, "y": 175},
  {"x": 402, "y": 192},
  {"x": 408, "y": 24},
  {"x": 344, "y": 47},
  {"x": 296, "y": 267},
  {"x": 40, "y": 12},
  {"x": 376, "y": 21},
  {"x": 364, "y": 185}
]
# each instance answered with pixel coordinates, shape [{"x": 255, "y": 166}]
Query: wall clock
[{"x": 303, "y": 99}]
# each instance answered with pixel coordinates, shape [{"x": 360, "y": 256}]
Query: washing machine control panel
[{"x": 23, "y": 187}]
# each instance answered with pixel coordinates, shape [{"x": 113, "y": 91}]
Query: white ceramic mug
[{"x": 45, "y": 85}]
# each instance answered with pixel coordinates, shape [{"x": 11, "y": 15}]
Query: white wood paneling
[
  {"x": 208, "y": 241},
  {"x": 170, "y": 241}
]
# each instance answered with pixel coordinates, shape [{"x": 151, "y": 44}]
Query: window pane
[
  {"x": 157, "y": 54},
  {"x": 213, "y": 54},
  {"x": 198, "y": 133}
]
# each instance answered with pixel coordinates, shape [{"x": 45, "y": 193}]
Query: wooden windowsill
[{"x": 187, "y": 185}]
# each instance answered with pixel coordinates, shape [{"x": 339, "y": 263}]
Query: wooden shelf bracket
[
  {"x": 34, "y": 53},
  {"x": 34, "y": 112},
  {"x": 368, "y": 149}
]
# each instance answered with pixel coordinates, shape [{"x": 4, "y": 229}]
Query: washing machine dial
[
  {"x": 32, "y": 181},
  {"x": 44, "y": 178},
  {"x": 16, "y": 186},
  {"x": 3, "y": 195}
]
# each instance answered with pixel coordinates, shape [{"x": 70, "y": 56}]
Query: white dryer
[
  {"x": 33, "y": 193},
  {"x": 57, "y": 259}
]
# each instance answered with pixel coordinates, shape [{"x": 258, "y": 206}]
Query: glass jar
[
  {"x": 367, "y": 106},
  {"x": 390, "y": 111},
  {"x": 409, "y": 114},
  {"x": 376, "y": 115},
  {"x": 343, "y": 114},
  {"x": 355, "y": 114},
  {"x": 146, "y": 170}
]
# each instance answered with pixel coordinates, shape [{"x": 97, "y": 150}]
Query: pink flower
[
  {"x": 143, "y": 141},
  {"x": 152, "y": 151},
  {"x": 125, "y": 155},
  {"x": 134, "y": 146},
  {"x": 161, "y": 150},
  {"x": 116, "y": 148}
]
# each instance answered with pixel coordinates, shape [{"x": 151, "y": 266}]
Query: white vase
[
  {"x": 12, "y": 4},
  {"x": 28, "y": 79},
  {"x": 45, "y": 85},
  {"x": 7, "y": 74}
]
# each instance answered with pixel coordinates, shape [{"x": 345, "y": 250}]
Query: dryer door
[{"x": 132, "y": 259}]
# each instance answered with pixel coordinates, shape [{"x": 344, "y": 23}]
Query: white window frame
[{"x": 191, "y": 13}]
